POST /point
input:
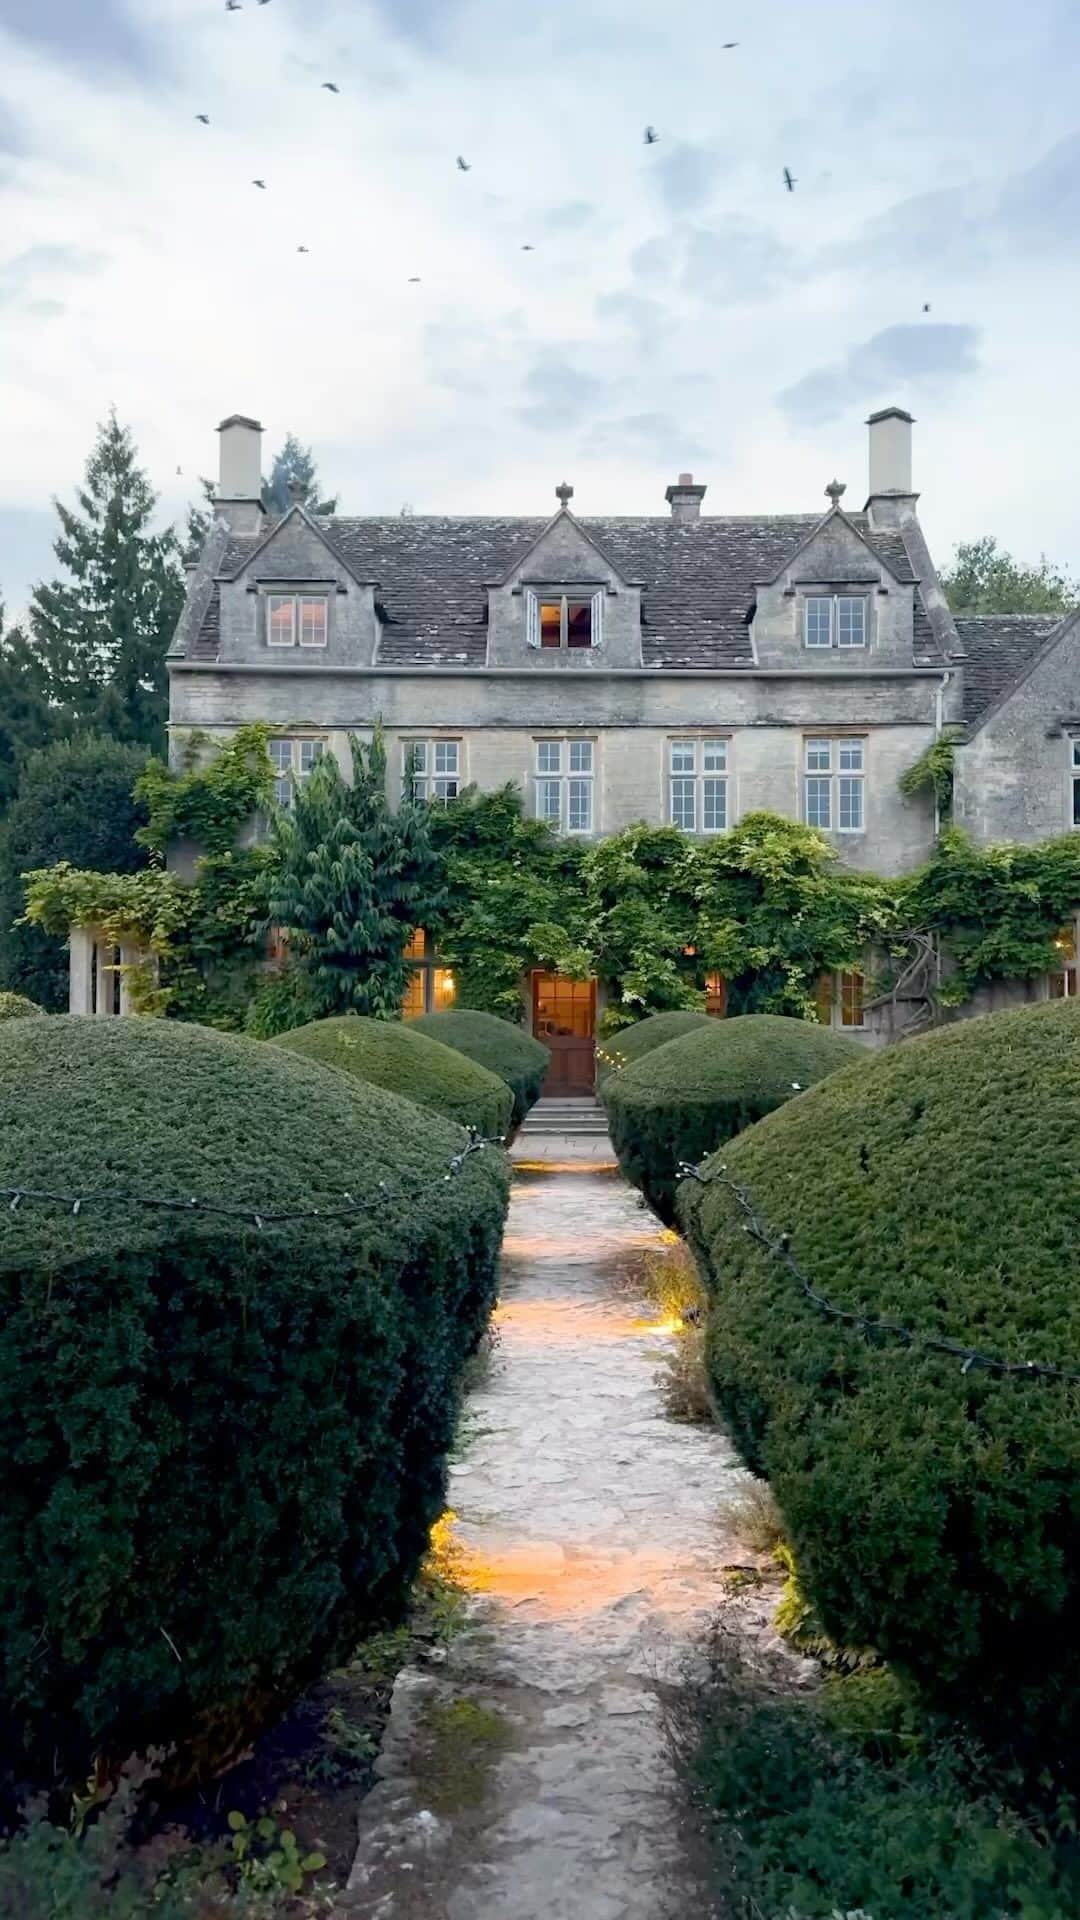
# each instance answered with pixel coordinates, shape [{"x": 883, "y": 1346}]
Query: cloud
[
  {"x": 22, "y": 276},
  {"x": 905, "y": 358},
  {"x": 570, "y": 217},
  {"x": 731, "y": 261},
  {"x": 26, "y": 555},
  {"x": 647, "y": 319},
  {"x": 98, "y": 32},
  {"x": 656, "y": 436},
  {"x": 559, "y": 394},
  {"x": 414, "y": 19},
  {"x": 687, "y": 176}
]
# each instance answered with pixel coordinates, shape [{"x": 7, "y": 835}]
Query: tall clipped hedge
[
  {"x": 935, "y": 1512},
  {"x": 503, "y": 1049},
  {"x": 223, "y": 1445},
  {"x": 682, "y": 1099},
  {"x": 388, "y": 1054},
  {"x": 633, "y": 1043}
]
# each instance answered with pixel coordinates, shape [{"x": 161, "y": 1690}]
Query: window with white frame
[
  {"x": 293, "y": 762},
  {"x": 564, "y": 618},
  {"x": 565, "y": 777},
  {"x": 834, "y": 785},
  {"x": 697, "y": 785},
  {"x": 834, "y": 620},
  {"x": 1074, "y": 776},
  {"x": 432, "y": 768},
  {"x": 297, "y": 619}
]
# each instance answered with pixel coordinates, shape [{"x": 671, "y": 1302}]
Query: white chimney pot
[
  {"x": 239, "y": 492},
  {"x": 891, "y": 491}
]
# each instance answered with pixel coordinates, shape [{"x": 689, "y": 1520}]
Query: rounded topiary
[
  {"x": 15, "y": 1006},
  {"x": 223, "y": 1443},
  {"x": 934, "y": 1510},
  {"x": 681, "y": 1100},
  {"x": 621, "y": 1049},
  {"x": 503, "y": 1049},
  {"x": 388, "y": 1054}
]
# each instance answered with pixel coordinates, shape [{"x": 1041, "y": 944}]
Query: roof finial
[
  {"x": 564, "y": 495},
  {"x": 834, "y": 490}
]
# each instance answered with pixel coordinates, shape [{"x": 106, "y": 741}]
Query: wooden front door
[{"x": 564, "y": 1018}]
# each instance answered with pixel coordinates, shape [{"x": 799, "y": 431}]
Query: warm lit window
[
  {"x": 430, "y": 988},
  {"x": 840, "y": 999},
  {"x": 1064, "y": 983},
  {"x": 834, "y": 782},
  {"x": 715, "y": 995},
  {"x": 564, "y": 619},
  {"x": 834, "y": 620},
  {"x": 697, "y": 785},
  {"x": 564, "y": 784},
  {"x": 293, "y": 761},
  {"x": 433, "y": 767},
  {"x": 297, "y": 616}
]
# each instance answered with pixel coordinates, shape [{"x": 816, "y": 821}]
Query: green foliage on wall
[
  {"x": 213, "y": 798},
  {"x": 933, "y": 773}
]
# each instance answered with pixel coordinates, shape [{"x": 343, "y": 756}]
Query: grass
[{"x": 669, "y": 1281}]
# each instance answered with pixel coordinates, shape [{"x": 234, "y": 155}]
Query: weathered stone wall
[{"x": 1014, "y": 777}]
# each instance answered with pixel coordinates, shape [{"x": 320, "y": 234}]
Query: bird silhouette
[
  {"x": 330, "y": 86},
  {"x": 527, "y": 248},
  {"x": 204, "y": 117},
  {"x": 651, "y": 136},
  {"x": 414, "y": 280},
  {"x": 728, "y": 44},
  {"x": 303, "y": 249},
  {"x": 789, "y": 180},
  {"x": 464, "y": 165},
  {"x": 259, "y": 183},
  {"x": 926, "y": 306},
  {"x": 232, "y": 6}
]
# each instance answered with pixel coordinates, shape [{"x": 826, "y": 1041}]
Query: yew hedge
[
  {"x": 387, "y": 1053},
  {"x": 223, "y": 1444},
  {"x": 621, "y": 1049},
  {"x": 683, "y": 1099},
  {"x": 507, "y": 1052},
  {"x": 934, "y": 1511}
]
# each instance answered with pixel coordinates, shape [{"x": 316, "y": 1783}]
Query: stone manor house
[{"x": 680, "y": 667}]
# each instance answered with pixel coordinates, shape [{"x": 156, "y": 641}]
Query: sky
[{"x": 679, "y": 309}]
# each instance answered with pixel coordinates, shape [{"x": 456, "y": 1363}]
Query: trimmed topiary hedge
[
  {"x": 935, "y": 1513},
  {"x": 503, "y": 1049},
  {"x": 223, "y": 1445},
  {"x": 621, "y": 1049},
  {"x": 683, "y": 1099},
  {"x": 15, "y": 1006},
  {"x": 388, "y": 1054}
]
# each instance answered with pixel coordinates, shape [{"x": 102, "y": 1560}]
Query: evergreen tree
[
  {"x": 75, "y": 802},
  {"x": 198, "y": 522},
  {"x": 985, "y": 579},
  {"x": 294, "y": 465},
  {"x": 25, "y": 719},
  {"x": 102, "y": 634},
  {"x": 348, "y": 881}
]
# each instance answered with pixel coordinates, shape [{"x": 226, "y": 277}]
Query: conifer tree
[
  {"x": 102, "y": 633},
  {"x": 294, "y": 465},
  {"x": 348, "y": 881},
  {"x": 25, "y": 719}
]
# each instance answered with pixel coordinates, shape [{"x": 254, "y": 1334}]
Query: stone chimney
[
  {"x": 239, "y": 493},
  {"x": 685, "y": 499},
  {"x": 892, "y": 497}
]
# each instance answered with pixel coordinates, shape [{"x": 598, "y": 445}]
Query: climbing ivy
[
  {"x": 216, "y": 794},
  {"x": 933, "y": 772}
]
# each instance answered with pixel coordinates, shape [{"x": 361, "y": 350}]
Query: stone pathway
[{"x": 525, "y": 1775}]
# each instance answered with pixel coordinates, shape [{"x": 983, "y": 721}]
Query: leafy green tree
[
  {"x": 102, "y": 633},
  {"x": 294, "y": 466},
  {"x": 75, "y": 802},
  {"x": 348, "y": 880},
  {"x": 26, "y": 721},
  {"x": 985, "y": 579}
]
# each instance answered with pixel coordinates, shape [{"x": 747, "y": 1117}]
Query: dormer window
[
  {"x": 562, "y": 619},
  {"x": 297, "y": 618},
  {"x": 834, "y": 620}
]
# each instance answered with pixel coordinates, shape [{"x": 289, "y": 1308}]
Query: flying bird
[
  {"x": 464, "y": 166},
  {"x": 926, "y": 306},
  {"x": 204, "y": 117},
  {"x": 259, "y": 183},
  {"x": 651, "y": 136},
  {"x": 331, "y": 86},
  {"x": 527, "y": 248},
  {"x": 303, "y": 249},
  {"x": 789, "y": 180},
  {"x": 232, "y": 6},
  {"x": 728, "y": 44}
]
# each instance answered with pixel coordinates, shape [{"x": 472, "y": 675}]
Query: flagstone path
[{"x": 525, "y": 1774}]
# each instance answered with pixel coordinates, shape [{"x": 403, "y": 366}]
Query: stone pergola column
[{"x": 82, "y": 951}]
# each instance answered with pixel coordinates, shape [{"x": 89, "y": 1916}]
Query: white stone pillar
[
  {"x": 81, "y": 944},
  {"x": 129, "y": 957},
  {"x": 105, "y": 957}
]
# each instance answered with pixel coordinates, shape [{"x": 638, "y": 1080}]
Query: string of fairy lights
[
  {"x": 778, "y": 1247},
  {"x": 260, "y": 1217}
]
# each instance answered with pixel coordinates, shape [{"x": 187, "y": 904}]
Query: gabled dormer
[
  {"x": 563, "y": 603},
  {"x": 839, "y": 602}
]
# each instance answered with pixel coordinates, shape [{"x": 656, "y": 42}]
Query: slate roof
[
  {"x": 431, "y": 578},
  {"x": 997, "y": 647}
]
